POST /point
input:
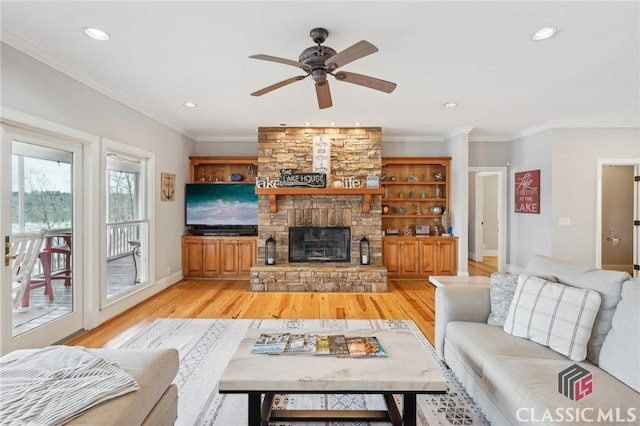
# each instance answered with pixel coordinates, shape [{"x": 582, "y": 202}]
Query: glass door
[{"x": 42, "y": 299}]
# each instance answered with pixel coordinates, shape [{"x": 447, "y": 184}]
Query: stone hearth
[{"x": 355, "y": 152}]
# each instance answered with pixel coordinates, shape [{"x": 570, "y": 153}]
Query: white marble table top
[
  {"x": 447, "y": 281},
  {"x": 408, "y": 368}
]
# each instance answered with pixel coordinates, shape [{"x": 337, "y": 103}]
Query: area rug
[
  {"x": 206, "y": 345},
  {"x": 29, "y": 314}
]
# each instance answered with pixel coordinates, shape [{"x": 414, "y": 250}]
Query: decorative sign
[
  {"x": 167, "y": 187},
  {"x": 265, "y": 182},
  {"x": 373, "y": 181},
  {"x": 311, "y": 180},
  {"x": 527, "y": 192},
  {"x": 322, "y": 154},
  {"x": 350, "y": 182}
]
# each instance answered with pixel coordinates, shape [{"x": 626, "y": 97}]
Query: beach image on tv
[{"x": 221, "y": 204}]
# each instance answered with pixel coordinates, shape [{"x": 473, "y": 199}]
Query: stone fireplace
[{"x": 356, "y": 154}]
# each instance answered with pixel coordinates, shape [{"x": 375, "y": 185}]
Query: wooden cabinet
[
  {"x": 416, "y": 195},
  {"x": 438, "y": 256},
  {"x": 221, "y": 169},
  {"x": 407, "y": 257},
  {"x": 216, "y": 257}
]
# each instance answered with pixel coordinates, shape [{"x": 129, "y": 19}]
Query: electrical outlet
[{"x": 168, "y": 270}]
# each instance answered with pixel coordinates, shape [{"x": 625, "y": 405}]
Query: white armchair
[{"x": 23, "y": 254}]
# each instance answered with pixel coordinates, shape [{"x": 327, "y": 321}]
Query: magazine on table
[{"x": 319, "y": 344}]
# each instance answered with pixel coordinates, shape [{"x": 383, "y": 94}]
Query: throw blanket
[{"x": 56, "y": 384}]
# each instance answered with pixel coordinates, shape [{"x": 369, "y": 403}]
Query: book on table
[{"x": 319, "y": 344}]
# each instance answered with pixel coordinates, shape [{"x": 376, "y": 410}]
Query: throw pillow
[
  {"x": 553, "y": 315},
  {"x": 501, "y": 290}
]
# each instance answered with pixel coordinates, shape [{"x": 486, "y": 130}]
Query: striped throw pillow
[{"x": 554, "y": 315}]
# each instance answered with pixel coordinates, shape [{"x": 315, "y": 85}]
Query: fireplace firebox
[{"x": 319, "y": 244}]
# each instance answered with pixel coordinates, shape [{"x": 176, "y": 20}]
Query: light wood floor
[{"x": 406, "y": 299}]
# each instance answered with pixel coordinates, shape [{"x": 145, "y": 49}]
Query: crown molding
[
  {"x": 576, "y": 124},
  {"x": 464, "y": 130},
  {"x": 40, "y": 55},
  {"x": 413, "y": 139},
  {"x": 228, "y": 138}
]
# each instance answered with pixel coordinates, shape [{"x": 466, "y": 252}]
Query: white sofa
[
  {"x": 155, "y": 403},
  {"x": 516, "y": 381}
]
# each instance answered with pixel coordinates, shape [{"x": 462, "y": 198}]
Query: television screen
[{"x": 217, "y": 204}]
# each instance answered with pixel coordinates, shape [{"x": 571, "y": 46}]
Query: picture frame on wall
[
  {"x": 527, "y": 192},
  {"x": 167, "y": 187}
]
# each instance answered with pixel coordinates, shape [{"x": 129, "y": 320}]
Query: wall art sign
[
  {"x": 167, "y": 187},
  {"x": 322, "y": 154},
  {"x": 527, "y": 192},
  {"x": 312, "y": 180}
]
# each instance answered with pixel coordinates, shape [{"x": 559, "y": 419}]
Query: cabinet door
[
  {"x": 447, "y": 258},
  {"x": 428, "y": 250},
  {"x": 229, "y": 257},
  {"x": 210, "y": 250},
  {"x": 246, "y": 256},
  {"x": 391, "y": 256},
  {"x": 409, "y": 257},
  {"x": 191, "y": 257}
]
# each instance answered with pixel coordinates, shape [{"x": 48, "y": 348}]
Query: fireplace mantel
[{"x": 366, "y": 194}]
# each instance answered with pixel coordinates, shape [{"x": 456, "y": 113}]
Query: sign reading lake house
[
  {"x": 527, "y": 192},
  {"x": 310, "y": 180}
]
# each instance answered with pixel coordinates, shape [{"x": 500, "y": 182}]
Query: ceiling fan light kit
[{"x": 318, "y": 61}]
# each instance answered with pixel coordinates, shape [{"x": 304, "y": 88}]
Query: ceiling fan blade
[
  {"x": 297, "y": 64},
  {"x": 365, "y": 80},
  {"x": 350, "y": 54},
  {"x": 324, "y": 94},
  {"x": 279, "y": 85}
]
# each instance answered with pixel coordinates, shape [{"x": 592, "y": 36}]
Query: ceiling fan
[{"x": 318, "y": 61}]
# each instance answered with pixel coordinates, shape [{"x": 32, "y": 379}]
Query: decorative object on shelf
[
  {"x": 436, "y": 231},
  {"x": 386, "y": 192},
  {"x": 393, "y": 178},
  {"x": 437, "y": 191},
  {"x": 202, "y": 179},
  {"x": 167, "y": 187},
  {"x": 270, "y": 251},
  {"x": 210, "y": 177},
  {"x": 408, "y": 232},
  {"x": 337, "y": 184},
  {"x": 400, "y": 210},
  {"x": 422, "y": 230},
  {"x": 217, "y": 175},
  {"x": 365, "y": 251},
  {"x": 411, "y": 195},
  {"x": 373, "y": 182},
  {"x": 350, "y": 182},
  {"x": 235, "y": 177},
  {"x": 418, "y": 211},
  {"x": 385, "y": 209},
  {"x": 436, "y": 210},
  {"x": 383, "y": 176},
  {"x": 438, "y": 175},
  {"x": 312, "y": 180},
  {"x": 266, "y": 182},
  {"x": 392, "y": 231},
  {"x": 251, "y": 171},
  {"x": 413, "y": 178},
  {"x": 445, "y": 220},
  {"x": 400, "y": 194}
]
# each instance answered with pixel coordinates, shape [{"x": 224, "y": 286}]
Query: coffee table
[{"x": 408, "y": 370}]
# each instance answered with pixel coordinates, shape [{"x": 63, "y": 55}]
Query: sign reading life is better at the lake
[{"x": 527, "y": 192}]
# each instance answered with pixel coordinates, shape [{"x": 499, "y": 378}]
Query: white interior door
[{"x": 40, "y": 188}]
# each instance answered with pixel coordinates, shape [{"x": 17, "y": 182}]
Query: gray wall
[
  {"x": 33, "y": 88},
  {"x": 490, "y": 213}
]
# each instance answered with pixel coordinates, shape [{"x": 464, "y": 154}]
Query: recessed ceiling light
[
  {"x": 190, "y": 105},
  {"x": 96, "y": 34},
  {"x": 333, "y": 124},
  {"x": 307, "y": 124},
  {"x": 450, "y": 105},
  {"x": 544, "y": 34},
  {"x": 357, "y": 124}
]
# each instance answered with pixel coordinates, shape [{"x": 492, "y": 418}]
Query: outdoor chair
[{"x": 24, "y": 252}]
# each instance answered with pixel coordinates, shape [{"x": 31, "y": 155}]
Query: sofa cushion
[
  {"x": 501, "y": 290},
  {"x": 607, "y": 283},
  {"x": 554, "y": 315},
  {"x": 620, "y": 354}
]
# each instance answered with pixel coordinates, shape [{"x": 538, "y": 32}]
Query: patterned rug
[{"x": 206, "y": 345}]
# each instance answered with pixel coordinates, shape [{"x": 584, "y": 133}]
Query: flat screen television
[{"x": 219, "y": 205}]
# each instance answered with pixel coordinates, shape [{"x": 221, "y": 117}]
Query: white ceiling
[{"x": 478, "y": 54}]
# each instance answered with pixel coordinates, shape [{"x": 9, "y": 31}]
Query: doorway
[
  {"x": 618, "y": 204},
  {"x": 487, "y": 214},
  {"x": 41, "y": 193}
]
